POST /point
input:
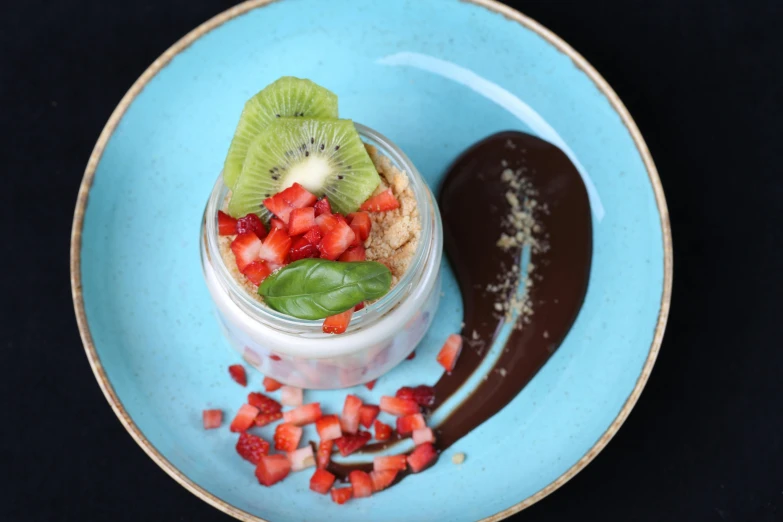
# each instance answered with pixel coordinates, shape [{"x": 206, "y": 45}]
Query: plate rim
[{"x": 249, "y": 5}]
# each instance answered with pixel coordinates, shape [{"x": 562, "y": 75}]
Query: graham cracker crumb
[{"x": 458, "y": 458}]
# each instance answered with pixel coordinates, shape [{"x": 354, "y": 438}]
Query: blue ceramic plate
[{"x": 434, "y": 76}]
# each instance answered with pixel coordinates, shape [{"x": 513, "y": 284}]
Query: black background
[{"x": 703, "y": 81}]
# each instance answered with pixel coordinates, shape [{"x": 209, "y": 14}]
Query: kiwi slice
[
  {"x": 286, "y": 97},
  {"x": 326, "y": 157}
]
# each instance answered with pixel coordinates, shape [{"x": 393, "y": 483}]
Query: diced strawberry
[
  {"x": 306, "y": 414},
  {"x": 337, "y": 324},
  {"x": 262, "y": 419},
  {"x": 301, "y": 220},
  {"x": 361, "y": 483},
  {"x": 347, "y": 444},
  {"x": 422, "y": 457},
  {"x": 328, "y": 427},
  {"x": 349, "y": 421},
  {"x": 321, "y": 481},
  {"x": 398, "y": 407},
  {"x": 407, "y": 424},
  {"x": 271, "y": 385},
  {"x": 301, "y": 458},
  {"x": 275, "y": 247},
  {"x": 287, "y": 437},
  {"x": 423, "y": 395},
  {"x": 271, "y": 469},
  {"x": 278, "y": 223},
  {"x": 246, "y": 248},
  {"x": 354, "y": 253},
  {"x": 396, "y": 462},
  {"x": 324, "y": 454},
  {"x": 370, "y": 385},
  {"x": 291, "y": 396},
  {"x": 356, "y": 309},
  {"x": 212, "y": 419},
  {"x": 361, "y": 224},
  {"x": 244, "y": 418},
  {"x": 326, "y": 222},
  {"x": 313, "y": 236},
  {"x": 382, "y": 479},
  {"x": 382, "y": 431},
  {"x": 381, "y": 202},
  {"x": 367, "y": 414},
  {"x": 275, "y": 357},
  {"x": 447, "y": 357},
  {"x": 251, "y": 447},
  {"x": 423, "y": 435},
  {"x": 336, "y": 241},
  {"x": 342, "y": 495},
  {"x": 322, "y": 207},
  {"x": 298, "y": 196},
  {"x": 251, "y": 223},
  {"x": 279, "y": 207},
  {"x": 237, "y": 372},
  {"x": 257, "y": 271},
  {"x": 411, "y": 356},
  {"x": 227, "y": 226},
  {"x": 263, "y": 403},
  {"x": 302, "y": 248}
]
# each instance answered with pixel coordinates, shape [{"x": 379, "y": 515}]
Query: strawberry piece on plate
[
  {"x": 347, "y": 444},
  {"x": 336, "y": 241},
  {"x": 212, "y": 419},
  {"x": 395, "y": 462},
  {"x": 342, "y": 495},
  {"x": 406, "y": 425},
  {"x": 354, "y": 253},
  {"x": 381, "y": 203},
  {"x": 291, "y": 396},
  {"x": 322, "y": 207},
  {"x": 382, "y": 431},
  {"x": 328, "y": 427},
  {"x": 301, "y": 220},
  {"x": 447, "y": 357},
  {"x": 251, "y": 223},
  {"x": 237, "y": 372},
  {"x": 302, "y": 458},
  {"x": 422, "y": 457},
  {"x": 275, "y": 247},
  {"x": 287, "y": 437},
  {"x": 423, "y": 435},
  {"x": 321, "y": 481},
  {"x": 361, "y": 224},
  {"x": 361, "y": 483},
  {"x": 271, "y": 469},
  {"x": 398, "y": 407},
  {"x": 367, "y": 414},
  {"x": 313, "y": 236},
  {"x": 382, "y": 479},
  {"x": 423, "y": 395},
  {"x": 245, "y": 418},
  {"x": 370, "y": 385},
  {"x": 271, "y": 385},
  {"x": 298, "y": 196},
  {"x": 278, "y": 223},
  {"x": 356, "y": 309},
  {"x": 263, "y": 403},
  {"x": 324, "y": 454},
  {"x": 262, "y": 419},
  {"x": 349, "y": 421},
  {"x": 246, "y": 248},
  {"x": 305, "y": 414},
  {"x": 227, "y": 226},
  {"x": 337, "y": 324},
  {"x": 251, "y": 447},
  {"x": 257, "y": 271},
  {"x": 411, "y": 356},
  {"x": 302, "y": 248}
]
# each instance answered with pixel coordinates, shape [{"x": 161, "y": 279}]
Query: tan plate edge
[{"x": 186, "y": 41}]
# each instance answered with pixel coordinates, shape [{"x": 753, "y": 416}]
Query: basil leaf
[{"x": 318, "y": 288}]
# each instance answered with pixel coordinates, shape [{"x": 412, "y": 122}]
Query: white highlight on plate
[{"x": 505, "y": 99}]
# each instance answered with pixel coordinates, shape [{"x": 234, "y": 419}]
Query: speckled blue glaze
[{"x": 434, "y": 76}]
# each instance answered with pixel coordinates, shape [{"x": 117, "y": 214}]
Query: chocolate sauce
[{"x": 473, "y": 206}]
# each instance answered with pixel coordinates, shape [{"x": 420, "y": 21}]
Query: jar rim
[{"x": 367, "y": 315}]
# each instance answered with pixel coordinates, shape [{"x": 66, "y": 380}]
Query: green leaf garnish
[{"x": 318, "y": 288}]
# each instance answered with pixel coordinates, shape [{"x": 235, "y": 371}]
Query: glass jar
[{"x": 295, "y": 351}]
